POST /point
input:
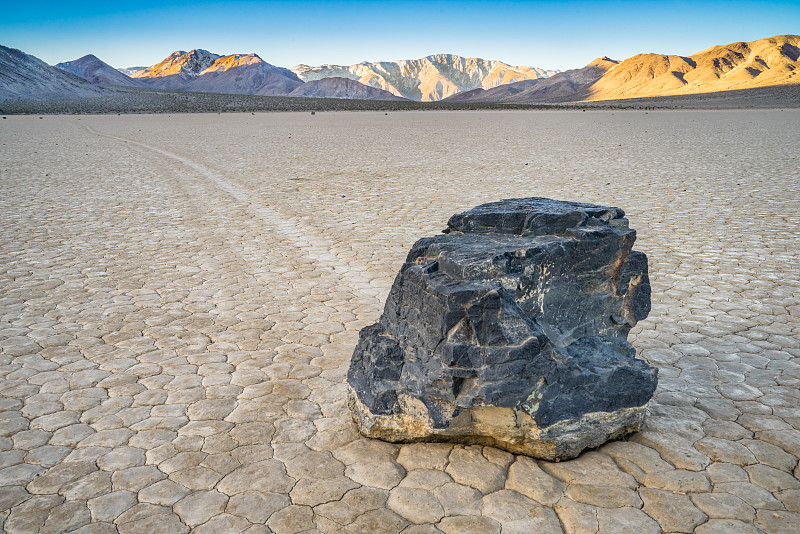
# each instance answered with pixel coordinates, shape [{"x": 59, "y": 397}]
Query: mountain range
[
  {"x": 772, "y": 61},
  {"x": 761, "y": 63},
  {"x": 431, "y": 78},
  {"x": 565, "y": 86},
  {"x": 202, "y": 71},
  {"x": 428, "y": 79}
]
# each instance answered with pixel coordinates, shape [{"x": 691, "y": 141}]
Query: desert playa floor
[{"x": 180, "y": 296}]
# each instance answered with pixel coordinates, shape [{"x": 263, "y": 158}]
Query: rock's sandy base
[
  {"x": 509, "y": 429},
  {"x": 180, "y": 297}
]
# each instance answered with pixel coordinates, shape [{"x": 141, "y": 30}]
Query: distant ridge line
[{"x": 769, "y": 62}]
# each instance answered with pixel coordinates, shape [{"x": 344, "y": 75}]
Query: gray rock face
[{"x": 510, "y": 330}]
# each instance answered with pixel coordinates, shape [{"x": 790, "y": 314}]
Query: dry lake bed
[{"x": 180, "y": 296}]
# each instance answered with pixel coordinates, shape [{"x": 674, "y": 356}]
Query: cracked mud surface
[{"x": 180, "y": 296}]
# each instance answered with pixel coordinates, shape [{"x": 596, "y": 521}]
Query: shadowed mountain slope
[
  {"x": 25, "y": 77},
  {"x": 562, "y": 87},
  {"x": 200, "y": 70},
  {"x": 342, "y": 88},
  {"x": 93, "y": 70},
  {"x": 245, "y": 74}
]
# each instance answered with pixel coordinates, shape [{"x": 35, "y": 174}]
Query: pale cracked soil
[{"x": 180, "y": 296}]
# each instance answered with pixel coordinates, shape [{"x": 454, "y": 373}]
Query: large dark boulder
[{"x": 510, "y": 329}]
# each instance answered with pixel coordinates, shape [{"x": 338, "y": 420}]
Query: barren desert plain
[{"x": 180, "y": 296}]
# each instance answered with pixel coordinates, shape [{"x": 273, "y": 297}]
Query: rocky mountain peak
[{"x": 179, "y": 62}]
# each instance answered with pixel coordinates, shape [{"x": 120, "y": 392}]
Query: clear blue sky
[{"x": 545, "y": 34}]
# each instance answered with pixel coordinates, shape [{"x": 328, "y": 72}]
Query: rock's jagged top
[
  {"x": 510, "y": 330},
  {"x": 534, "y": 216}
]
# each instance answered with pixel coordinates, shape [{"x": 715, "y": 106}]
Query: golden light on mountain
[
  {"x": 742, "y": 65},
  {"x": 179, "y": 63}
]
